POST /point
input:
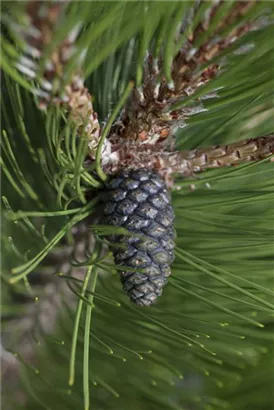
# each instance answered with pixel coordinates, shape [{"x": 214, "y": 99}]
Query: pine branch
[
  {"x": 148, "y": 120},
  {"x": 149, "y": 116},
  {"x": 58, "y": 87},
  {"x": 226, "y": 155},
  {"x": 212, "y": 311},
  {"x": 143, "y": 136},
  {"x": 137, "y": 156}
]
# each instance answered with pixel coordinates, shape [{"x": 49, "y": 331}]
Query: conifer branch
[
  {"x": 149, "y": 115},
  {"x": 137, "y": 156},
  {"x": 226, "y": 155},
  {"x": 143, "y": 135},
  {"x": 56, "y": 86},
  {"x": 223, "y": 295}
]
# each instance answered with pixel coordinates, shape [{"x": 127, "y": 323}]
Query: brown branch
[
  {"x": 137, "y": 156},
  {"x": 226, "y": 155}
]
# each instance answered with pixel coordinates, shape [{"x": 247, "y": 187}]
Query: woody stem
[
  {"x": 222, "y": 156},
  {"x": 151, "y": 156}
]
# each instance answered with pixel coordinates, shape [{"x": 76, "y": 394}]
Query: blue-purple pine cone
[{"x": 139, "y": 201}]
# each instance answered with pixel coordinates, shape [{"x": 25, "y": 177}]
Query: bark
[{"x": 187, "y": 163}]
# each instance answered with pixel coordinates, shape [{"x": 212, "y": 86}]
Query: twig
[{"x": 187, "y": 163}]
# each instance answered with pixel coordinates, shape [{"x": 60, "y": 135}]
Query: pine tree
[{"x": 183, "y": 89}]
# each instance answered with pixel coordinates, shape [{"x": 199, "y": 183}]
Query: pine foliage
[{"x": 71, "y": 338}]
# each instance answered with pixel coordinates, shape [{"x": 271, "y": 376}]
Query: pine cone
[{"x": 139, "y": 202}]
